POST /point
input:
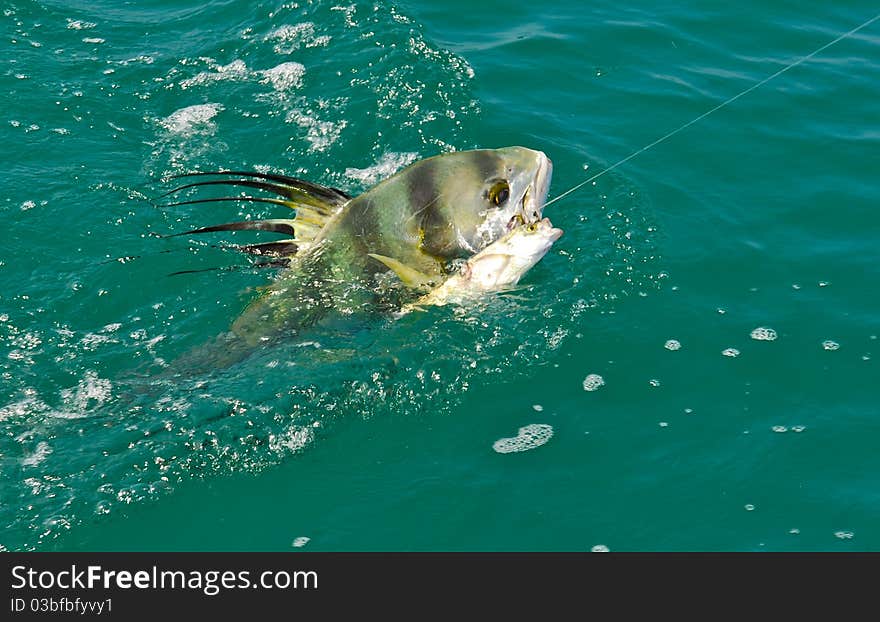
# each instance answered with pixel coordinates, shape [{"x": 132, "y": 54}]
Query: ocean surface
[{"x": 699, "y": 350}]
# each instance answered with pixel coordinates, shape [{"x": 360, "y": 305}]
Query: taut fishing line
[{"x": 716, "y": 108}]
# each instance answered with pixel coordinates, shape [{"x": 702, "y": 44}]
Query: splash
[{"x": 192, "y": 120}]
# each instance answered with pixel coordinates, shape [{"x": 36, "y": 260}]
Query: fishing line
[{"x": 718, "y": 107}]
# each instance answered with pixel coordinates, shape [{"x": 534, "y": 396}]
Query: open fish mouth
[{"x": 535, "y": 196}]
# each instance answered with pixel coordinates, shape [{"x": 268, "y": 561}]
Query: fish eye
[{"x": 499, "y": 192}]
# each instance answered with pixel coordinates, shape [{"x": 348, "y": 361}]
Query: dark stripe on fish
[
  {"x": 486, "y": 162},
  {"x": 422, "y": 186}
]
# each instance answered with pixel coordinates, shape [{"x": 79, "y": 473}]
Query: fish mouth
[{"x": 535, "y": 196}]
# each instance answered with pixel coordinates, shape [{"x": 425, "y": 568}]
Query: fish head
[
  {"x": 467, "y": 200},
  {"x": 503, "y": 263}
]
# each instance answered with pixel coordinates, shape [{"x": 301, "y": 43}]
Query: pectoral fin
[{"x": 408, "y": 275}]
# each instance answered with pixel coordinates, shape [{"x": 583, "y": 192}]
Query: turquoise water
[{"x": 379, "y": 435}]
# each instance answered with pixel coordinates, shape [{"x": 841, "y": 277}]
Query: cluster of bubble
[
  {"x": 763, "y": 334},
  {"x": 672, "y": 344},
  {"x": 528, "y": 437},
  {"x": 781, "y": 429},
  {"x": 593, "y": 382}
]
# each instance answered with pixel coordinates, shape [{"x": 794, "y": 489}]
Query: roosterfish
[{"x": 425, "y": 220}]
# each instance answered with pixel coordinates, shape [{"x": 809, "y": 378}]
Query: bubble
[
  {"x": 664, "y": 424},
  {"x": 763, "y": 334},
  {"x": 654, "y": 382},
  {"x": 721, "y": 311},
  {"x": 830, "y": 345},
  {"x": 300, "y": 541},
  {"x": 600, "y": 548},
  {"x": 672, "y": 344},
  {"x": 537, "y": 407},
  {"x": 749, "y": 507},
  {"x": 798, "y": 428},
  {"x": 688, "y": 411},
  {"x": 794, "y": 531},
  {"x": 779, "y": 428},
  {"x": 731, "y": 352},
  {"x": 844, "y": 535},
  {"x": 528, "y": 437},
  {"x": 593, "y": 382}
]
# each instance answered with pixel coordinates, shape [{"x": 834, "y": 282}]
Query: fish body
[{"x": 437, "y": 210}]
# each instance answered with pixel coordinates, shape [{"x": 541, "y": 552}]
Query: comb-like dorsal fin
[
  {"x": 284, "y": 226},
  {"x": 281, "y": 248},
  {"x": 314, "y": 204},
  {"x": 293, "y": 188}
]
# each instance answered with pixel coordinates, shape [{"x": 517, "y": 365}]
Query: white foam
[
  {"x": 39, "y": 454},
  {"x": 593, "y": 382},
  {"x": 291, "y": 37},
  {"x": 300, "y": 541},
  {"x": 28, "y": 406},
  {"x": 830, "y": 345},
  {"x": 600, "y": 548},
  {"x": 192, "y": 120},
  {"x": 77, "y": 24},
  {"x": 291, "y": 440},
  {"x": 91, "y": 391},
  {"x": 236, "y": 70},
  {"x": 731, "y": 352},
  {"x": 528, "y": 437},
  {"x": 388, "y": 164},
  {"x": 672, "y": 344},
  {"x": 285, "y": 76},
  {"x": 763, "y": 334},
  {"x": 321, "y": 134}
]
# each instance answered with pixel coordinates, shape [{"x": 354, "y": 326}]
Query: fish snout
[
  {"x": 554, "y": 233},
  {"x": 536, "y": 193}
]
